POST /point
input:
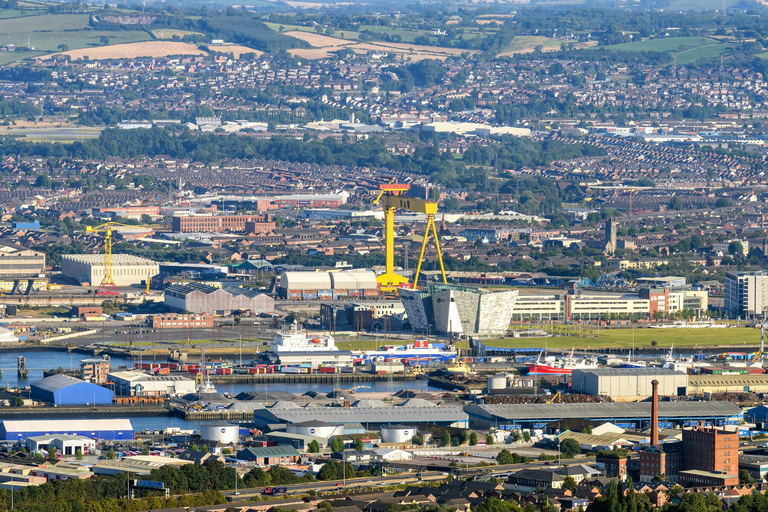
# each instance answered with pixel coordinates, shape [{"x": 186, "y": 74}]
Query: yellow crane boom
[{"x": 391, "y": 198}]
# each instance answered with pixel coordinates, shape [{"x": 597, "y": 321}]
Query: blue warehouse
[
  {"x": 66, "y": 390},
  {"x": 106, "y": 430}
]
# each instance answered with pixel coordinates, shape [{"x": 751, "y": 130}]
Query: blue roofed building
[
  {"x": 106, "y": 429},
  {"x": 65, "y": 390},
  {"x": 27, "y": 226}
]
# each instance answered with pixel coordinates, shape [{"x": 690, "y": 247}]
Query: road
[
  {"x": 352, "y": 483},
  {"x": 381, "y": 482}
]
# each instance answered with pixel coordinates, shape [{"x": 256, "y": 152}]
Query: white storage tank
[
  {"x": 315, "y": 428},
  {"x": 397, "y": 434},
  {"x": 497, "y": 382},
  {"x": 225, "y": 433}
]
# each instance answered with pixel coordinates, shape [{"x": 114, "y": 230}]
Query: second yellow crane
[{"x": 391, "y": 198}]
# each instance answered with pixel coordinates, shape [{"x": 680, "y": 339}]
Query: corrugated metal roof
[
  {"x": 305, "y": 281},
  {"x": 65, "y": 425},
  {"x": 628, "y": 372},
  {"x": 271, "y": 451},
  {"x": 57, "y": 383},
  {"x": 727, "y": 380},
  {"x": 448, "y": 413},
  {"x": 524, "y": 412}
]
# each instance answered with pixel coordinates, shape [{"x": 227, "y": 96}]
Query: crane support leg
[
  {"x": 437, "y": 246},
  {"x": 421, "y": 255}
]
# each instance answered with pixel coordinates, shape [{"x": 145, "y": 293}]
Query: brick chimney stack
[{"x": 655, "y": 413}]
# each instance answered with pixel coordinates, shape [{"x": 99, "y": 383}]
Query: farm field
[
  {"x": 527, "y": 44},
  {"x": 413, "y": 51},
  {"x": 8, "y": 57},
  {"x": 343, "y": 34},
  {"x": 169, "y": 33},
  {"x": 47, "y": 32},
  {"x": 643, "y": 337},
  {"x": 664, "y": 44},
  {"x": 704, "y": 52},
  {"x": 235, "y": 49},
  {"x": 134, "y": 50},
  {"x": 317, "y": 40}
]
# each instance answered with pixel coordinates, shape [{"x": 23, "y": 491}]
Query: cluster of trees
[
  {"x": 615, "y": 500},
  {"x": 445, "y": 170},
  {"x": 108, "y": 493},
  {"x": 275, "y": 475}
]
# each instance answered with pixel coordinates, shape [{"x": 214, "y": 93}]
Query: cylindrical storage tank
[
  {"x": 224, "y": 433},
  {"x": 315, "y": 428},
  {"x": 497, "y": 382},
  {"x": 397, "y": 434}
]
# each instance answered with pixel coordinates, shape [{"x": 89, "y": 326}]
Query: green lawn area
[
  {"x": 704, "y": 52},
  {"x": 17, "y": 13},
  {"x": 8, "y": 57},
  {"x": 643, "y": 337},
  {"x": 664, "y": 44},
  {"x": 46, "y": 32},
  {"x": 521, "y": 44},
  {"x": 407, "y": 35}
]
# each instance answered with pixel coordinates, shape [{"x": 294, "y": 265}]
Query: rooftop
[
  {"x": 629, "y": 372},
  {"x": 117, "y": 259},
  {"x": 525, "y": 412}
]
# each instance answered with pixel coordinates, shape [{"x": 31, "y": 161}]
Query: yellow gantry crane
[
  {"x": 391, "y": 199},
  {"x": 107, "y": 286}
]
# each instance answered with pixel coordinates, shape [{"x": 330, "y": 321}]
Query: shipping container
[
  {"x": 290, "y": 369},
  {"x": 309, "y": 295},
  {"x": 371, "y": 293},
  {"x": 294, "y": 294},
  {"x": 324, "y": 294},
  {"x": 340, "y": 294}
]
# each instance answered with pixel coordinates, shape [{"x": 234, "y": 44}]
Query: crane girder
[{"x": 411, "y": 204}]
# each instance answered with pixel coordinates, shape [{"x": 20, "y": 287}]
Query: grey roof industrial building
[
  {"x": 484, "y": 416},
  {"x": 447, "y": 415},
  {"x": 200, "y": 298}
]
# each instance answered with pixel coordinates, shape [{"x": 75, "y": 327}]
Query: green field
[
  {"x": 568, "y": 337},
  {"x": 342, "y": 34},
  {"x": 664, "y": 44},
  {"x": 46, "y": 32},
  {"x": 525, "y": 44},
  {"x": 407, "y": 36},
  {"x": 704, "y": 52}
]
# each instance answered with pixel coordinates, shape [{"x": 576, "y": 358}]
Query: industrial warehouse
[
  {"x": 636, "y": 414},
  {"x": 89, "y": 269},
  {"x": 105, "y": 429},
  {"x": 65, "y": 390},
  {"x": 374, "y": 417},
  {"x": 203, "y": 299},
  {"x": 341, "y": 284}
]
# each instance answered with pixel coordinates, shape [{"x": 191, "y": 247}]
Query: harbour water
[{"x": 39, "y": 361}]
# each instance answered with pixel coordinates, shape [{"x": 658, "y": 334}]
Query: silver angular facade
[{"x": 459, "y": 309}]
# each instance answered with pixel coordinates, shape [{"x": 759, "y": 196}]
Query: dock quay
[
  {"x": 212, "y": 415},
  {"x": 310, "y": 377}
]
